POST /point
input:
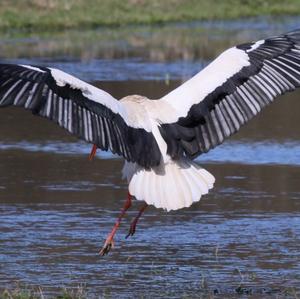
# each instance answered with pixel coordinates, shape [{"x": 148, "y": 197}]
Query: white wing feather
[{"x": 203, "y": 83}]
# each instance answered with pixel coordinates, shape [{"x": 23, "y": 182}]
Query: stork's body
[
  {"x": 160, "y": 138},
  {"x": 173, "y": 183}
]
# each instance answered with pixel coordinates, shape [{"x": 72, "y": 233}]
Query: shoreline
[{"x": 54, "y": 15}]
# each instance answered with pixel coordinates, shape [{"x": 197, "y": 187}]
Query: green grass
[{"x": 41, "y": 15}]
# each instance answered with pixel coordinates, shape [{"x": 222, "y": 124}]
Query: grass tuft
[{"x": 37, "y": 293}]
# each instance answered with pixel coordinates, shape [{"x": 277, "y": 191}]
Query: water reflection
[{"x": 256, "y": 153}]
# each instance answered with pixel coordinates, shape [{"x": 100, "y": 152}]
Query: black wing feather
[
  {"x": 69, "y": 108},
  {"x": 274, "y": 69}
]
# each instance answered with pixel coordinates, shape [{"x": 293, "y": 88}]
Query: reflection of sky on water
[
  {"x": 61, "y": 244},
  {"x": 267, "y": 152},
  {"x": 123, "y": 69}
]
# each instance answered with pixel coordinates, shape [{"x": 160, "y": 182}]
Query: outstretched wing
[
  {"x": 231, "y": 90},
  {"x": 84, "y": 110}
]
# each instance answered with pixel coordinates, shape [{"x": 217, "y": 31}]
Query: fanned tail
[{"x": 171, "y": 186}]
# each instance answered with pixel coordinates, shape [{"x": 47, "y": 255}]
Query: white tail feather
[{"x": 171, "y": 186}]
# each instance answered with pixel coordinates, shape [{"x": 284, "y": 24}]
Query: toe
[
  {"x": 106, "y": 248},
  {"x": 131, "y": 231},
  {"x": 128, "y": 235}
]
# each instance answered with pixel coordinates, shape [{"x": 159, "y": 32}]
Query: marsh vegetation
[{"x": 51, "y": 15}]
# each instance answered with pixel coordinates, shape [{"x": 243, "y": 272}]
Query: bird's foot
[
  {"x": 108, "y": 245},
  {"x": 131, "y": 231},
  {"x": 135, "y": 220}
]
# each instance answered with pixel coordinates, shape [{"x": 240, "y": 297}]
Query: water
[{"x": 57, "y": 207}]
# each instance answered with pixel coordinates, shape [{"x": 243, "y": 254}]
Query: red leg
[
  {"x": 135, "y": 220},
  {"x": 109, "y": 243},
  {"x": 93, "y": 152}
]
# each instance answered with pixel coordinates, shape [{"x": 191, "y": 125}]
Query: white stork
[{"x": 160, "y": 138}]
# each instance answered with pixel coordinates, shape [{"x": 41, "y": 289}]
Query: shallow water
[{"x": 57, "y": 207}]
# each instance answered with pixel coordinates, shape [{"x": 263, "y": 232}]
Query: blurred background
[{"x": 241, "y": 240}]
